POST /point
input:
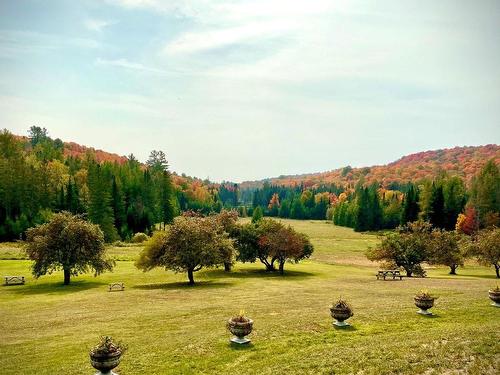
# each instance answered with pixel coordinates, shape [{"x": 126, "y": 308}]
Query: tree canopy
[
  {"x": 485, "y": 246},
  {"x": 271, "y": 242},
  {"x": 69, "y": 243},
  {"x": 188, "y": 245},
  {"x": 407, "y": 247}
]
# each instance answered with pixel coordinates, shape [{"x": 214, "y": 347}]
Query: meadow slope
[{"x": 171, "y": 328}]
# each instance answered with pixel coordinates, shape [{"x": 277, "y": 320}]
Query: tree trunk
[
  {"x": 408, "y": 273},
  {"x": 269, "y": 266},
  {"x": 190, "y": 277},
  {"x": 497, "y": 269},
  {"x": 453, "y": 269},
  {"x": 67, "y": 276},
  {"x": 227, "y": 266},
  {"x": 282, "y": 268}
]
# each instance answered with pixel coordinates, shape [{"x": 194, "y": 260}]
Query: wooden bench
[
  {"x": 388, "y": 273},
  {"x": 116, "y": 287},
  {"x": 14, "y": 280}
]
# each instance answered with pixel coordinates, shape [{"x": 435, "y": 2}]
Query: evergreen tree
[
  {"x": 100, "y": 210},
  {"x": 410, "y": 206},
  {"x": 257, "y": 214},
  {"x": 485, "y": 194},
  {"x": 437, "y": 215},
  {"x": 454, "y": 200},
  {"x": 118, "y": 205},
  {"x": 167, "y": 208},
  {"x": 363, "y": 215},
  {"x": 284, "y": 210},
  {"x": 377, "y": 214},
  {"x": 298, "y": 210}
]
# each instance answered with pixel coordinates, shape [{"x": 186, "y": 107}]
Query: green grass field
[{"x": 172, "y": 328}]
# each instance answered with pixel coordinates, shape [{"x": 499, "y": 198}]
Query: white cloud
[
  {"x": 124, "y": 63},
  {"x": 203, "y": 41},
  {"x": 140, "y": 68},
  {"x": 96, "y": 24},
  {"x": 14, "y": 43}
]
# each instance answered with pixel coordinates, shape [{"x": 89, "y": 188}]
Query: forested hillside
[
  {"x": 464, "y": 162},
  {"x": 40, "y": 175}
]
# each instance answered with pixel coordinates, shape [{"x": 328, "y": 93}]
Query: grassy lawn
[{"x": 172, "y": 328}]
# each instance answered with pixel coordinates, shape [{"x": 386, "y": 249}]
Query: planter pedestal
[
  {"x": 341, "y": 324},
  {"x": 240, "y": 340},
  {"x": 424, "y": 312}
]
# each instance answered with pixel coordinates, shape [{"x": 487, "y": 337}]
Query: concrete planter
[
  {"x": 495, "y": 297},
  {"x": 340, "y": 314},
  {"x": 240, "y": 330},
  {"x": 105, "y": 362},
  {"x": 424, "y": 304}
]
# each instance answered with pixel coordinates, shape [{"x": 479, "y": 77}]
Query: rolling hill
[{"x": 461, "y": 161}]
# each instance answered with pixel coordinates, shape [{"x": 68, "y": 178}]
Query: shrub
[{"x": 140, "y": 237}]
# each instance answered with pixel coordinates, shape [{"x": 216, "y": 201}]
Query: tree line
[
  {"x": 37, "y": 180},
  {"x": 445, "y": 202}
]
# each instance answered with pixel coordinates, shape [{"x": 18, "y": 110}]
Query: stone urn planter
[
  {"x": 105, "y": 356},
  {"x": 341, "y": 311},
  {"x": 494, "y": 295},
  {"x": 240, "y": 326},
  {"x": 424, "y": 301}
]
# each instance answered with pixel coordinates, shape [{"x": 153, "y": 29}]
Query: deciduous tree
[
  {"x": 486, "y": 248},
  {"x": 69, "y": 243},
  {"x": 188, "y": 245},
  {"x": 445, "y": 249},
  {"x": 408, "y": 247}
]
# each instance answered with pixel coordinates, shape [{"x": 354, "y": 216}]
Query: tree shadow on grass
[
  {"x": 465, "y": 276},
  {"x": 183, "y": 285},
  {"x": 54, "y": 288},
  {"x": 252, "y": 273}
]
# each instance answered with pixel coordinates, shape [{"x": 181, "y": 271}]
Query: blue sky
[{"x": 247, "y": 90}]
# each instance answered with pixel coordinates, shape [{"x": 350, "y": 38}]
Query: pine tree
[
  {"x": 363, "y": 215},
  {"x": 437, "y": 215},
  {"x": 454, "y": 200},
  {"x": 485, "y": 194},
  {"x": 100, "y": 209},
  {"x": 377, "y": 215},
  {"x": 118, "y": 205},
  {"x": 411, "y": 208},
  {"x": 167, "y": 208}
]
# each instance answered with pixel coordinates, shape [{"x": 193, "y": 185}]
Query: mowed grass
[{"x": 172, "y": 328}]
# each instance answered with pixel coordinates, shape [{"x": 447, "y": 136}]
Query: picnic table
[{"x": 383, "y": 274}]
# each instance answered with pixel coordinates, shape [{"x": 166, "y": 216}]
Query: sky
[{"x": 246, "y": 90}]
